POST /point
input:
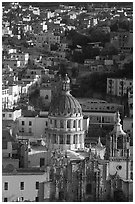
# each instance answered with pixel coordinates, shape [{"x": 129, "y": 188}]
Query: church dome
[{"x": 64, "y": 105}]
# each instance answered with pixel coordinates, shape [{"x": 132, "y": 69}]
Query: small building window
[
  {"x": 6, "y": 186},
  {"x": 37, "y": 185},
  {"x": 21, "y": 185},
  {"x": 30, "y": 123},
  {"x": 22, "y": 198},
  {"x": 37, "y": 199},
  {"x": 42, "y": 162},
  {"x": 3, "y": 115},
  {"x": 5, "y": 200},
  {"x": 22, "y": 129},
  {"x": 10, "y": 115},
  {"x": 23, "y": 122},
  {"x": 46, "y": 97}
]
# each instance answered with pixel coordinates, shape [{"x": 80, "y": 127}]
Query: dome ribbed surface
[{"x": 64, "y": 105}]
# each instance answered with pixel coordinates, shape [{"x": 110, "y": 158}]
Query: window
[
  {"x": 3, "y": 115},
  {"x": 68, "y": 123},
  {"x": 42, "y": 162},
  {"x": 68, "y": 139},
  {"x": 131, "y": 175},
  {"x": 55, "y": 123},
  {"x": 46, "y": 97},
  {"x": 22, "y": 198},
  {"x": 75, "y": 139},
  {"x": 22, "y": 129},
  {"x": 6, "y": 186},
  {"x": 10, "y": 115},
  {"x": 61, "y": 139},
  {"x": 89, "y": 188},
  {"x": 21, "y": 185},
  {"x": 37, "y": 199},
  {"x": 120, "y": 142},
  {"x": 61, "y": 124},
  {"x": 54, "y": 141},
  {"x": 37, "y": 185},
  {"x": 80, "y": 138},
  {"x": 30, "y": 123},
  {"x": 23, "y": 123},
  {"x": 74, "y": 124},
  {"x": 5, "y": 200},
  {"x": 79, "y": 123}
]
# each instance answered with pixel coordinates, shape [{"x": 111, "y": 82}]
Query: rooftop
[{"x": 23, "y": 171}]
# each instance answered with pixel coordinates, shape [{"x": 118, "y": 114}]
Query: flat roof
[{"x": 23, "y": 171}]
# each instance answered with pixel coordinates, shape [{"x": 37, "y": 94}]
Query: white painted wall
[
  {"x": 37, "y": 128},
  {"x": 11, "y": 115},
  {"x": 122, "y": 172},
  {"x": 29, "y": 192},
  {"x": 34, "y": 158}
]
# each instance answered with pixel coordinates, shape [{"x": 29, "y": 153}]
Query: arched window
[
  {"x": 68, "y": 139},
  {"x": 61, "y": 139},
  {"x": 80, "y": 138},
  {"x": 79, "y": 123},
  {"x": 74, "y": 124},
  {"x": 68, "y": 123},
  {"x": 54, "y": 139},
  {"x": 50, "y": 121},
  {"x": 55, "y": 123},
  {"x": 89, "y": 189},
  {"x": 120, "y": 142},
  {"x": 61, "y": 124},
  {"x": 75, "y": 139}
]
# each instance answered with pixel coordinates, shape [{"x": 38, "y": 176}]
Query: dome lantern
[{"x": 66, "y": 84}]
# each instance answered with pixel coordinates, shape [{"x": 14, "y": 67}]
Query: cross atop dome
[
  {"x": 66, "y": 84},
  {"x": 118, "y": 120}
]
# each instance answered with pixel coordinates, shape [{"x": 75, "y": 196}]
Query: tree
[
  {"x": 110, "y": 50},
  {"x": 78, "y": 57},
  {"x": 75, "y": 72},
  {"x": 98, "y": 35},
  {"x": 62, "y": 70},
  {"x": 114, "y": 26},
  {"x": 54, "y": 47},
  {"x": 90, "y": 53}
]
